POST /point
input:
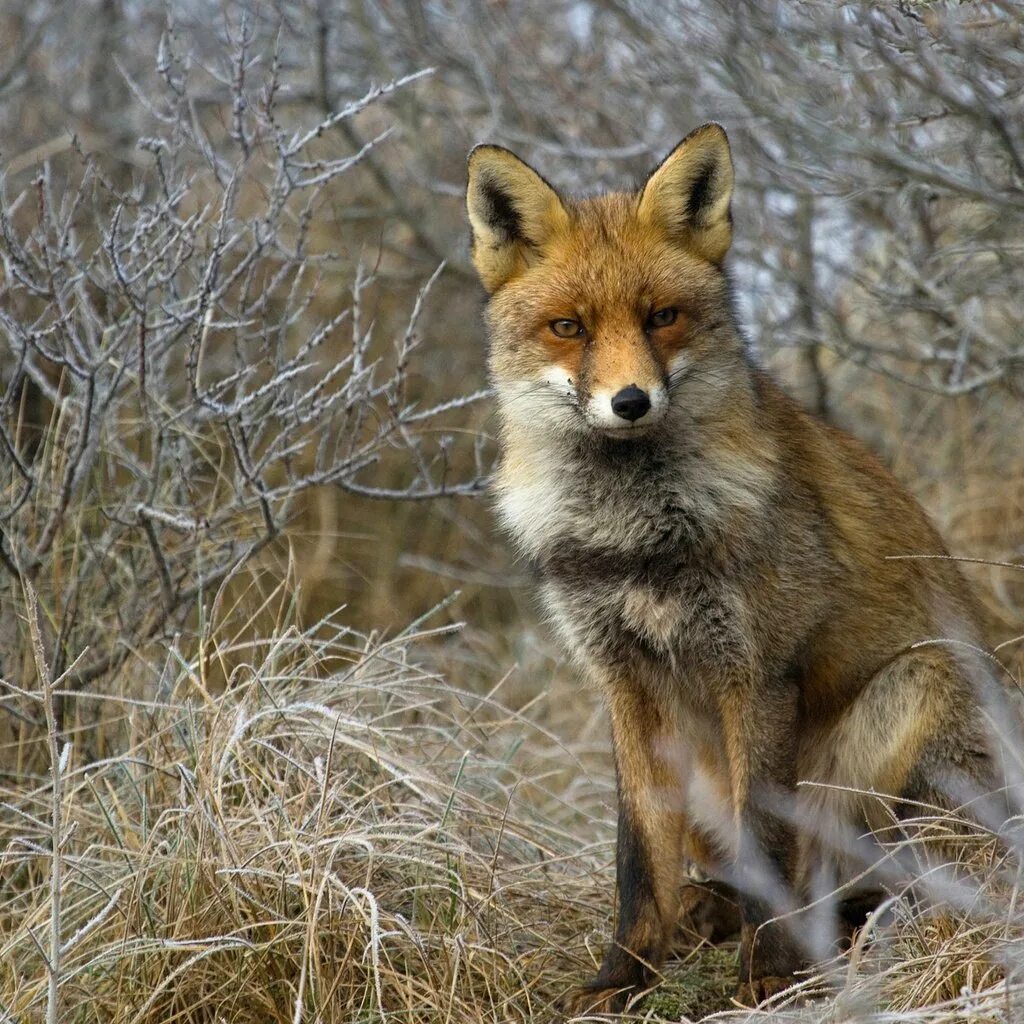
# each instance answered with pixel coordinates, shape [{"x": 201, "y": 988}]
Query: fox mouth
[{"x": 626, "y": 432}]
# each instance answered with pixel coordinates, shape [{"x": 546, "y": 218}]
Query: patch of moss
[{"x": 703, "y": 983}]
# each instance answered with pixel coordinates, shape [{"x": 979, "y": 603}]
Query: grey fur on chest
[
  {"x": 633, "y": 615},
  {"x": 664, "y": 565}
]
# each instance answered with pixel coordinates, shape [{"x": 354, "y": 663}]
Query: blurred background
[{"x": 877, "y": 260}]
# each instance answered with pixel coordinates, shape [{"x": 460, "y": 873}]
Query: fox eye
[
  {"x": 662, "y": 317},
  {"x": 566, "y": 328}
]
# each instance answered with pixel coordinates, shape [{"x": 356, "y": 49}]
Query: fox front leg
[
  {"x": 649, "y": 853},
  {"x": 759, "y": 727}
]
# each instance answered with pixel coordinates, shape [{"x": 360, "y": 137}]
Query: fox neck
[{"x": 691, "y": 481}]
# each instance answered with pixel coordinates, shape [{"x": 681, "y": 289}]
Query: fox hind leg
[{"x": 917, "y": 735}]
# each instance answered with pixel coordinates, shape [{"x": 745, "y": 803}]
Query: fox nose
[{"x": 631, "y": 403}]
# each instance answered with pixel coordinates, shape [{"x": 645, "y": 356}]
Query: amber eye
[
  {"x": 662, "y": 317},
  {"x": 566, "y": 328}
]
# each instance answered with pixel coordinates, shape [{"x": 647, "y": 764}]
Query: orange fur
[{"x": 729, "y": 569}]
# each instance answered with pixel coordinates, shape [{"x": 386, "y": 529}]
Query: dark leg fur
[
  {"x": 760, "y": 729},
  {"x": 649, "y": 858}
]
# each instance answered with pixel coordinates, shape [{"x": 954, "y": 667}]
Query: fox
[{"x": 774, "y": 625}]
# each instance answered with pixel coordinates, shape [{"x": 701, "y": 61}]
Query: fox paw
[
  {"x": 594, "y": 999},
  {"x": 755, "y": 992}
]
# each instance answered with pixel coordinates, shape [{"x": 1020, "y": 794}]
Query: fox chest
[{"x": 676, "y": 621}]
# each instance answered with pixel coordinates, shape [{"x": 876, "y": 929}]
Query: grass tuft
[{"x": 344, "y": 835}]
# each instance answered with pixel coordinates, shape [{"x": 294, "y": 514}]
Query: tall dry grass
[{"x": 348, "y": 832}]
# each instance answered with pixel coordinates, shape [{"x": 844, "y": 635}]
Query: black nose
[{"x": 631, "y": 403}]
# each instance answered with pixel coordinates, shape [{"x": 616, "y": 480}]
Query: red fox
[{"x": 717, "y": 560}]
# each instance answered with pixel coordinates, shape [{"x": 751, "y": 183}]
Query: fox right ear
[
  {"x": 513, "y": 211},
  {"x": 689, "y": 194}
]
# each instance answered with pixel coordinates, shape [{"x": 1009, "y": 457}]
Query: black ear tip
[
  {"x": 483, "y": 148},
  {"x": 711, "y": 128},
  {"x": 476, "y": 151}
]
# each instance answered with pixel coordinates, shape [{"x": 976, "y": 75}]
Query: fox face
[{"x": 602, "y": 309}]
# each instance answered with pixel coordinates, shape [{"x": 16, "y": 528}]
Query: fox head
[{"x": 603, "y": 308}]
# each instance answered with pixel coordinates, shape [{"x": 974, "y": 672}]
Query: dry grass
[
  {"x": 346, "y": 834},
  {"x": 339, "y": 835}
]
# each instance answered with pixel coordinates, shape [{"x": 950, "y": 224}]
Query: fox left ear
[
  {"x": 688, "y": 195},
  {"x": 513, "y": 212}
]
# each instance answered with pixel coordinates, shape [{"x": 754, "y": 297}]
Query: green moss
[{"x": 701, "y": 984}]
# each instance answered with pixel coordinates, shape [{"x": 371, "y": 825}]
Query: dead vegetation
[{"x": 345, "y": 834}]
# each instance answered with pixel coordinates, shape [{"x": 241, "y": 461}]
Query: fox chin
[{"x": 727, "y": 568}]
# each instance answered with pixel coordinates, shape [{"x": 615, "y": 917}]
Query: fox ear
[
  {"x": 513, "y": 211},
  {"x": 689, "y": 193}
]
